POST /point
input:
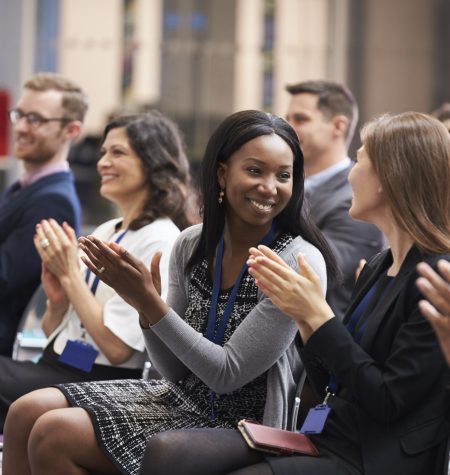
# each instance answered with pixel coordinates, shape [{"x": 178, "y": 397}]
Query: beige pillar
[
  {"x": 90, "y": 53},
  {"x": 28, "y": 37},
  {"x": 300, "y": 45},
  {"x": 398, "y": 58},
  {"x": 248, "y": 71},
  {"x": 147, "y": 60},
  {"x": 338, "y": 31}
]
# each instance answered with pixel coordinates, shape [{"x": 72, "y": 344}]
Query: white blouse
[{"x": 118, "y": 316}]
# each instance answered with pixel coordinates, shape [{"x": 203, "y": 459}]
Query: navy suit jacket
[
  {"x": 394, "y": 385},
  {"x": 350, "y": 240},
  {"x": 53, "y": 196}
]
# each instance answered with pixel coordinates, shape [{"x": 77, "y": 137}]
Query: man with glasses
[{"x": 47, "y": 118}]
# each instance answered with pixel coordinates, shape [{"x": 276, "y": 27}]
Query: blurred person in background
[
  {"x": 324, "y": 114},
  {"x": 45, "y": 121},
  {"x": 443, "y": 114},
  {"x": 93, "y": 333}
]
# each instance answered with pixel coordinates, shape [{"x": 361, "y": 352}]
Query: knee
[
  {"x": 47, "y": 437},
  {"x": 22, "y": 414},
  {"x": 163, "y": 444},
  {"x": 161, "y": 451}
]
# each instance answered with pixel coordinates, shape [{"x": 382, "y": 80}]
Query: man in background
[
  {"x": 46, "y": 119},
  {"x": 324, "y": 115}
]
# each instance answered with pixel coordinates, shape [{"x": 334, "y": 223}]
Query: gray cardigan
[{"x": 262, "y": 342}]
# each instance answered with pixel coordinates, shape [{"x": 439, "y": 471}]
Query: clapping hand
[
  {"x": 58, "y": 248},
  {"x": 57, "y": 299},
  {"x": 127, "y": 275},
  {"x": 436, "y": 288},
  {"x": 299, "y": 295}
]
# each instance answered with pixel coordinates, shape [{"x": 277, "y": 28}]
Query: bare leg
[
  {"x": 22, "y": 415},
  {"x": 63, "y": 441}
]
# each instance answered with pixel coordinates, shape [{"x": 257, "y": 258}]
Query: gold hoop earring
[{"x": 221, "y": 195}]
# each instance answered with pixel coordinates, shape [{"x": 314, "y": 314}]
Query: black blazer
[
  {"x": 395, "y": 383},
  {"x": 350, "y": 240}
]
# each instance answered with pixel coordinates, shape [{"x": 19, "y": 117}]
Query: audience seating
[{"x": 30, "y": 339}]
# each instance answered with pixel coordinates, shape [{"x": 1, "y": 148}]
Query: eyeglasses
[{"x": 33, "y": 119}]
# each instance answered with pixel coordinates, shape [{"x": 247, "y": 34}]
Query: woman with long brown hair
[{"x": 379, "y": 376}]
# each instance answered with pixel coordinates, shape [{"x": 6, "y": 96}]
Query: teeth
[
  {"x": 23, "y": 141},
  {"x": 107, "y": 178},
  {"x": 261, "y": 206}
]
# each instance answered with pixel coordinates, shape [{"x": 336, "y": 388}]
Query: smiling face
[
  {"x": 35, "y": 145},
  {"x": 257, "y": 180},
  {"x": 122, "y": 175},
  {"x": 368, "y": 199}
]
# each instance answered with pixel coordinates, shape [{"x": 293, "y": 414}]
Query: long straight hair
[
  {"x": 410, "y": 153},
  {"x": 235, "y": 131}
]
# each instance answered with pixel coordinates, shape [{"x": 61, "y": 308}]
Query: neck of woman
[
  {"x": 237, "y": 242},
  {"x": 130, "y": 210},
  {"x": 240, "y": 239},
  {"x": 400, "y": 243}
]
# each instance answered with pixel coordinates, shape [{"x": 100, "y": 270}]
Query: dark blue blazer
[
  {"x": 394, "y": 399},
  {"x": 53, "y": 196}
]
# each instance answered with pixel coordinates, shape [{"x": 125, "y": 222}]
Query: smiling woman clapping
[{"x": 93, "y": 333}]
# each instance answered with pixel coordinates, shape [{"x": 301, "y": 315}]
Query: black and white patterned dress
[{"x": 127, "y": 413}]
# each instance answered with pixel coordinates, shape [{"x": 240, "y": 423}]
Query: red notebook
[{"x": 276, "y": 441}]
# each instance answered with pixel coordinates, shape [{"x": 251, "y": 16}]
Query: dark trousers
[{"x": 20, "y": 377}]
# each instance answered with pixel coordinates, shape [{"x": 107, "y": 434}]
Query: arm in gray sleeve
[
  {"x": 164, "y": 360},
  {"x": 258, "y": 342}
]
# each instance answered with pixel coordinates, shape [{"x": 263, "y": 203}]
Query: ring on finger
[
  {"x": 45, "y": 243},
  {"x": 101, "y": 270}
]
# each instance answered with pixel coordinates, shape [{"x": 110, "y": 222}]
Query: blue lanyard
[
  {"x": 97, "y": 279},
  {"x": 218, "y": 336}
]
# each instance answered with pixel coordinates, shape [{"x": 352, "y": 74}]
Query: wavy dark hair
[
  {"x": 157, "y": 142},
  {"x": 235, "y": 131}
]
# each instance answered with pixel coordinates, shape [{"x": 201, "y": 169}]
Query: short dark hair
[
  {"x": 157, "y": 142},
  {"x": 333, "y": 99},
  {"x": 74, "y": 100},
  {"x": 235, "y": 131}
]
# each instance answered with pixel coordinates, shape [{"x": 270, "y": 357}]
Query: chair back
[{"x": 30, "y": 339}]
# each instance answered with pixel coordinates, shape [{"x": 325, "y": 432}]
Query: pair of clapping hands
[{"x": 297, "y": 294}]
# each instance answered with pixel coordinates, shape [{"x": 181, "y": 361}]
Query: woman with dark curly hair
[{"x": 93, "y": 333}]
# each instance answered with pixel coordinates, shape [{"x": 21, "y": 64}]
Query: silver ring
[
  {"x": 45, "y": 243},
  {"x": 101, "y": 270}
]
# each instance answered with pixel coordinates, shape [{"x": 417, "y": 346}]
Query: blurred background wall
[{"x": 199, "y": 60}]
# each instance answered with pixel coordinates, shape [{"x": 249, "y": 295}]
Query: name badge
[
  {"x": 79, "y": 354},
  {"x": 315, "y": 420}
]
